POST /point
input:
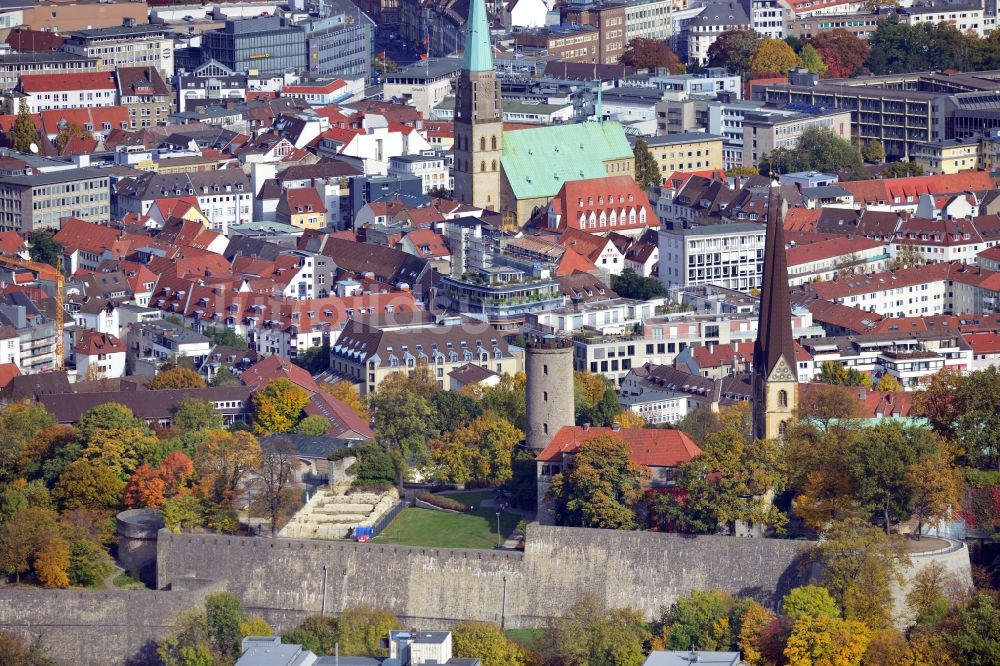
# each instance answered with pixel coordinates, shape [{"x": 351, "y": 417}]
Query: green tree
[
  {"x": 89, "y": 564},
  {"x": 507, "y": 397},
  {"x": 812, "y": 60},
  {"x": 20, "y": 423},
  {"x": 630, "y": 284},
  {"x": 602, "y": 487},
  {"x": 315, "y": 359},
  {"x": 183, "y": 512},
  {"x": 873, "y": 151},
  {"x": 699, "y": 622},
  {"x": 176, "y": 378},
  {"x": 733, "y": 50},
  {"x": 403, "y": 419},
  {"x": 24, "y": 134},
  {"x": 375, "y": 465},
  {"x": 975, "y": 639},
  {"x": 773, "y": 57},
  {"x": 930, "y": 591},
  {"x": 44, "y": 249},
  {"x": 592, "y": 634},
  {"x": 69, "y": 131},
  {"x": 819, "y": 149},
  {"x": 651, "y": 54},
  {"x": 832, "y": 372},
  {"x": 362, "y": 630},
  {"x": 224, "y": 613},
  {"x": 453, "y": 409},
  {"x": 193, "y": 415},
  {"x": 109, "y": 416},
  {"x": 879, "y": 464},
  {"x": 314, "y": 426},
  {"x": 859, "y": 565},
  {"x": 189, "y": 642},
  {"x": 317, "y": 633},
  {"x": 977, "y": 423},
  {"x": 278, "y": 406},
  {"x": 647, "y": 171},
  {"x": 223, "y": 336},
  {"x": 730, "y": 481},
  {"x": 225, "y": 377},
  {"x": 20, "y": 537},
  {"x": 903, "y": 170},
  {"x": 809, "y": 601},
  {"x": 87, "y": 484},
  {"x": 486, "y": 642}
]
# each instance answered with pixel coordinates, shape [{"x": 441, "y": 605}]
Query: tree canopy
[{"x": 650, "y": 54}]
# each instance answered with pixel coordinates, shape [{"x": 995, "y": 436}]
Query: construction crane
[{"x": 41, "y": 269}]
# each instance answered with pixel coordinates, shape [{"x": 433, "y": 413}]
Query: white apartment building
[
  {"x": 43, "y": 92},
  {"x": 965, "y": 18},
  {"x": 767, "y": 17},
  {"x": 679, "y": 87},
  {"x": 224, "y": 196},
  {"x": 648, "y": 19},
  {"x": 715, "y": 18},
  {"x": 726, "y": 255},
  {"x": 431, "y": 169},
  {"x": 822, "y": 260},
  {"x": 911, "y": 358},
  {"x": 911, "y": 292}
]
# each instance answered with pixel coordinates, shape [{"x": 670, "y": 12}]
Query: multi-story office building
[
  {"x": 568, "y": 43},
  {"x": 726, "y": 255},
  {"x": 947, "y": 155},
  {"x": 424, "y": 84},
  {"x": 40, "y": 200},
  {"x": 266, "y": 44},
  {"x": 898, "y": 118},
  {"x": 861, "y": 25},
  {"x": 713, "y": 81},
  {"x": 766, "y": 130},
  {"x": 648, "y": 19},
  {"x": 128, "y": 45},
  {"x": 224, "y": 196},
  {"x": 686, "y": 151},
  {"x": 966, "y": 18},
  {"x": 340, "y": 43}
]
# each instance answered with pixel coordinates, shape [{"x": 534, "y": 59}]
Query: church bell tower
[
  {"x": 478, "y": 117},
  {"x": 775, "y": 371}
]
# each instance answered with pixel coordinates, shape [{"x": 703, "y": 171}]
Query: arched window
[
  {"x": 782, "y": 427},
  {"x": 494, "y": 165},
  {"x": 482, "y": 143},
  {"x": 493, "y": 143},
  {"x": 482, "y": 165},
  {"x": 783, "y": 398}
]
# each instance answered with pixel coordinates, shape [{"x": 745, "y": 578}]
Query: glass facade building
[{"x": 265, "y": 44}]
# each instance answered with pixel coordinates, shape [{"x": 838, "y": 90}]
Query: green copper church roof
[
  {"x": 478, "y": 47},
  {"x": 536, "y": 162}
]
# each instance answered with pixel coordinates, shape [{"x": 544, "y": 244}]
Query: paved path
[{"x": 513, "y": 539}]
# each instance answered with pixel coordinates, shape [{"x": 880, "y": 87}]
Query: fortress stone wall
[
  {"x": 283, "y": 579},
  {"x": 91, "y": 627}
]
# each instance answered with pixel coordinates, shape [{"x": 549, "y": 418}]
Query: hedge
[{"x": 442, "y": 502}]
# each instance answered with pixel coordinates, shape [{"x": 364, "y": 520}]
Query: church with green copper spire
[{"x": 478, "y": 145}]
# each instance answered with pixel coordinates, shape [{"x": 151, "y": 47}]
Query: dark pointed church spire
[{"x": 774, "y": 351}]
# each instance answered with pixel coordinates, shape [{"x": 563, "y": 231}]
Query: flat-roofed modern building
[
  {"x": 686, "y": 151},
  {"x": 128, "y": 45},
  {"x": 13, "y": 65},
  {"x": 41, "y": 200},
  {"x": 266, "y": 44},
  {"x": 726, "y": 255}
]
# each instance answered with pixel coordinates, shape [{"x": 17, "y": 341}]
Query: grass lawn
[
  {"x": 533, "y": 639},
  {"x": 439, "y": 529}
]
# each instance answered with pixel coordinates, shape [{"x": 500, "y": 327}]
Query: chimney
[
  {"x": 616, "y": 426},
  {"x": 711, "y": 348},
  {"x": 864, "y": 393},
  {"x": 586, "y": 427}
]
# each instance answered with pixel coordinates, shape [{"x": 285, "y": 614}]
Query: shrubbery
[{"x": 442, "y": 502}]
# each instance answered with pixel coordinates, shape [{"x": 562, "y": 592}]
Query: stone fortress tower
[{"x": 549, "y": 389}]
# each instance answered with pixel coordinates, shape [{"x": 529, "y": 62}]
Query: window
[
  {"x": 783, "y": 398},
  {"x": 782, "y": 427}
]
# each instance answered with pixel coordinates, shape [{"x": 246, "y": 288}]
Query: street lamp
[{"x": 499, "y": 543}]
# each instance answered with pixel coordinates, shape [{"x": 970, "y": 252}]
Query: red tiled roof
[
  {"x": 908, "y": 190},
  {"x": 866, "y": 284},
  {"x": 620, "y": 196},
  {"x": 983, "y": 343},
  {"x": 336, "y": 84},
  {"x": 434, "y": 244},
  {"x": 40, "y": 83},
  {"x": 871, "y": 404},
  {"x": 304, "y": 200},
  {"x": 827, "y": 249},
  {"x": 650, "y": 447},
  {"x": 79, "y": 145},
  {"x": 91, "y": 343},
  {"x": 265, "y": 371},
  {"x": 571, "y": 262},
  {"x": 11, "y": 242},
  {"x": 589, "y": 245},
  {"x": 78, "y": 234},
  {"x": 801, "y": 219},
  {"x": 843, "y": 316},
  {"x": 7, "y": 373}
]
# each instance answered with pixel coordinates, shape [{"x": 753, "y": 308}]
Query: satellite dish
[{"x": 33, "y": 148}]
